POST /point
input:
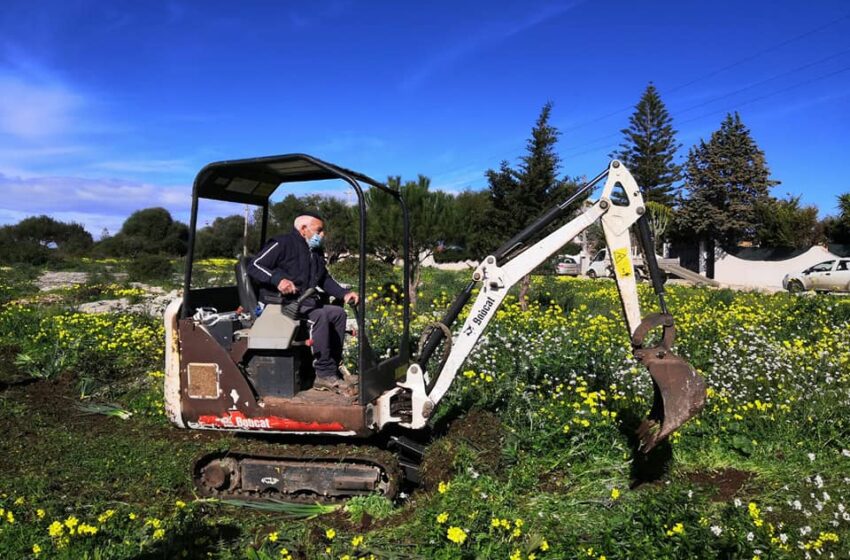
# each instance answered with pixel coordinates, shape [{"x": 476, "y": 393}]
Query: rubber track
[{"x": 386, "y": 460}]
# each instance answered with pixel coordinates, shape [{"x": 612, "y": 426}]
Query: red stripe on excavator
[{"x": 237, "y": 419}]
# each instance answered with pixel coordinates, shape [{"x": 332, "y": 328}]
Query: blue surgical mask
[{"x": 315, "y": 242}]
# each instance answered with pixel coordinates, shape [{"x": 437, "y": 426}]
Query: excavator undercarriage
[{"x": 308, "y": 475}]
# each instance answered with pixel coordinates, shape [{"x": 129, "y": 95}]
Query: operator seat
[{"x": 245, "y": 287}]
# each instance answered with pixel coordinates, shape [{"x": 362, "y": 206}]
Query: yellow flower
[
  {"x": 357, "y": 541},
  {"x": 10, "y": 517},
  {"x": 442, "y": 518},
  {"x": 39, "y": 513},
  {"x": 104, "y": 517},
  {"x": 544, "y": 546},
  {"x": 516, "y": 555},
  {"x": 158, "y": 534},
  {"x": 71, "y": 522},
  {"x": 443, "y": 487},
  {"x": 19, "y": 501},
  {"x": 615, "y": 494},
  {"x": 678, "y": 529},
  {"x": 55, "y": 529},
  {"x": 273, "y": 537},
  {"x": 132, "y": 516},
  {"x": 87, "y": 530},
  {"x": 330, "y": 534},
  {"x": 180, "y": 504},
  {"x": 36, "y": 550},
  {"x": 456, "y": 535}
]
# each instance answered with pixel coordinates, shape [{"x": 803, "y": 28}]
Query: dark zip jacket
[{"x": 289, "y": 257}]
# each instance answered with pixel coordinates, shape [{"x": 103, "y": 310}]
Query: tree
[
  {"x": 838, "y": 228},
  {"x": 222, "y": 238},
  {"x": 147, "y": 231},
  {"x": 660, "y": 217},
  {"x": 69, "y": 239},
  {"x": 784, "y": 223},
  {"x": 650, "y": 148},
  {"x": 431, "y": 216},
  {"x": 519, "y": 196},
  {"x": 472, "y": 231},
  {"x": 725, "y": 179}
]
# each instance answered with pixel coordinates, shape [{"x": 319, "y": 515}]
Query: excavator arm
[{"x": 679, "y": 390}]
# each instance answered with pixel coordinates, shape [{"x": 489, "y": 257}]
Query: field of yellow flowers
[{"x": 533, "y": 455}]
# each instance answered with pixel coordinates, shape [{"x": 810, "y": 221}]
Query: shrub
[{"x": 150, "y": 267}]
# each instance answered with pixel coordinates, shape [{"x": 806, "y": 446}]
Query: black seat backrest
[{"x": 245, "y": 286}]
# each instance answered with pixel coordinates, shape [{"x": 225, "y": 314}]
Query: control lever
[{"x": 292, "y": 309}]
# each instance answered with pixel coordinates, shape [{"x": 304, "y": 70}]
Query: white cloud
[
  {"x": 98, "y": 203},
  {"x": 34, "y": 111}
]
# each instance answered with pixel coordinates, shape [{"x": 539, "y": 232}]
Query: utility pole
[{"x": 245, "y": 234}]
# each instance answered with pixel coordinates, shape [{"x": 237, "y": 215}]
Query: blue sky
[{"x": 108, "y": 107}]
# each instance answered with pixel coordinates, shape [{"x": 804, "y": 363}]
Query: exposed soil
[
  {"x": 725, "y": 482},
  {"x": 480, "y": 432},
  {"x": 9, "y": 372}
]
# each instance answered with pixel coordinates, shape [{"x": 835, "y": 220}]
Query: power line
[
  {"x": 741, "y": 104},
  {"x": 725, "y": 95},
  {"x": 715, "y": 72}
]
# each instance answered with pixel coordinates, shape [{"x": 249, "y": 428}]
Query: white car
[
  {"x": 827, "y": 276},
  {"x": 568, "y": 266}
]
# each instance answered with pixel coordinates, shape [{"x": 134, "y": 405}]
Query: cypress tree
[
  {"x": 725, "y": 179},
  {"x": 650, "y": 147}
]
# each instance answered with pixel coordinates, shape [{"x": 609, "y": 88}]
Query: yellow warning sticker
[{"x": 622, "y": 263}]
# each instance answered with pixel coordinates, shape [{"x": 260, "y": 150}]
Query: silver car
[
  {"x": 827, "y": 276},
  {"x": 568, "y": 266}
]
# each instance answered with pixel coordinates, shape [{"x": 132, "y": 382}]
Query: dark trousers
[{"x": 327, "y": 329}]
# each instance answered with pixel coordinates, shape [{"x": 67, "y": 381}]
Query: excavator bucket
[{"x": 679, "y": 391}]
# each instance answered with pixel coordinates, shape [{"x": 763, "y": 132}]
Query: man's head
[{"x": 309, "y": 225}]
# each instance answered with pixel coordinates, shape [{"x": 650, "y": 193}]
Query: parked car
[
  {"x": 827, "y": 276},
  {"x": 568, "y": 266}
]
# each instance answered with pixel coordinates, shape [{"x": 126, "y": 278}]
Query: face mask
[{"x": 315, "y": 242}]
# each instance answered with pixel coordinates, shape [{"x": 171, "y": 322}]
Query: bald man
[{"x": 288, "y": 265}]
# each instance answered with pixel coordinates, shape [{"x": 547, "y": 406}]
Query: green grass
[{"x": 515, "y": 474}]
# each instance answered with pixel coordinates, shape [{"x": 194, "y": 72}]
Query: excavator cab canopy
[{"x": 253, "y": 181}]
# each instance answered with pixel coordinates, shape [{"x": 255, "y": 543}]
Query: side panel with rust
[{"x": 214, "y": 394}]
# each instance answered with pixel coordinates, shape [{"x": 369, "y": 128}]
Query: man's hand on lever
[
  {"x": 351, "y": 298},
  {"x": 286, "y": 287}
]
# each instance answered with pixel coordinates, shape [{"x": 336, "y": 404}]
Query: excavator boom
[{"x": 679, "y": 391}]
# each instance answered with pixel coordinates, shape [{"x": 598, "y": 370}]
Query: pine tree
[
  {"x": 520, "y": 196},
  {"x": 725, "y": 179},
  {"x": 650, "y": 147}
]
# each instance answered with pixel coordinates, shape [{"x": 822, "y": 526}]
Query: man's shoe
[
  {"x": 325, "y": 383},
  {"x": 336, "y": 385}
]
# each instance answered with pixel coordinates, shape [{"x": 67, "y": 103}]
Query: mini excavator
[{"x": 231, "y": 368}]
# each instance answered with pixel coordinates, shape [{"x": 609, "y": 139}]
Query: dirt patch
[
  {"x": 479, "y": 433},
  {"x": 725, "y": 483},
  {"x": 553, "y": 482},
  {"x": 9, "y": 372}
]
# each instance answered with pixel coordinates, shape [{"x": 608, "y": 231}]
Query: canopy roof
[{"x": 252, "y": 181}]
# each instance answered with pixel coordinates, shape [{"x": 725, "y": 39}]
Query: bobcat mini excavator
[{"x": 230, "y": 368}]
